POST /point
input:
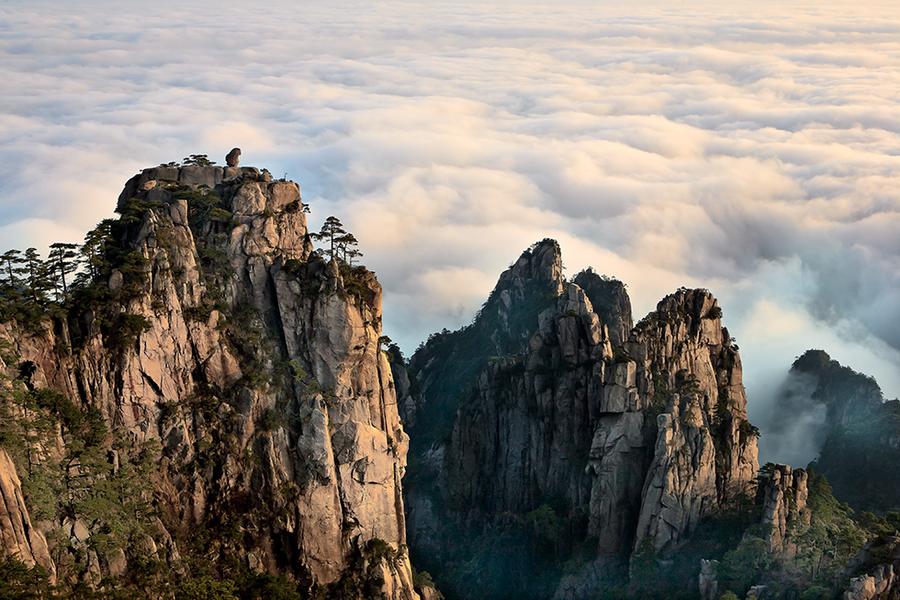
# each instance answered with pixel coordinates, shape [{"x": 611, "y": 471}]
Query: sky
[{"x": 752, "y": 148}]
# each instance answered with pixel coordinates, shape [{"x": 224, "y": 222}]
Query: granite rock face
[
  {"x": 879, "y": 565},
  {"x": 20, "y": 539},
  {"x": 255, "y": 367},
  {"x": 705, "y": 455},
  {"x": 610, "y": 301},
  {"x": 708, "y": 582},
  {"x": 784, "y": 493},
  {"x": 635, "y": 433}
]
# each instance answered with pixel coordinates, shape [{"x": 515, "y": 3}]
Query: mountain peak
[
  {"x": 541, "y": 264},
  {"x": 208, "y": 344},
  {"x": 610, "y": 300},
  {"x": 812, "y": 361},
  {"x": 167, "y": 177}
]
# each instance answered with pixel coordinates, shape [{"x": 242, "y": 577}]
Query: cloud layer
[{"x": 748, "y": 148}]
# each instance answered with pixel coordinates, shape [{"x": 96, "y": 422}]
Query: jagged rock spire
[
  {"x": 255, "y": 371},
  {"x": 642, "y": 430}
]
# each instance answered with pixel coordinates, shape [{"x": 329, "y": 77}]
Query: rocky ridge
[
  {"x": 247, "y": 370},
  {"x": 636, "y": 436},
  {"x": 860, "y": 434},
  {"x": 879, "y": 564},
  {"x": 210, "y": 406}
]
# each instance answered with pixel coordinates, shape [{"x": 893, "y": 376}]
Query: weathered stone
[
  {"x": 611, "y": 303},
  {"x": 115, "y": 280},
  {"x": 875, "y": 571},
  {"x": 200, "y": 176},
  {"x": 116, "y": 563},
  {"x": 233, "y": 158},
  {"x": 80, "y": 531},
  {"x": 881, "y": 584},
  {"x": 756, "y": 592},
  {"x": 680, "y": 487},
  {"x": 708, "y": 580},
  {"x": 563, "y": 409},
  {"x": 19, "y": 539},
  {"x": 327, "y": 474},
  {"x": 429, "y": 593},
  {"x": 784, "y": 493}
]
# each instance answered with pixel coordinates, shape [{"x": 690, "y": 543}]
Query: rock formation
[
  {"x": 635, "y": 436},
  {"x": 708, "y": 582},
  {"x": 879, "y": 566},
  {"x": 233, "y": 158},
  {"x": 208, "y": 408},
  {"x": 215, "y": 344},
  {"x": 861, "y": 432},
  {"x": 611, "y": 303},
  {"x": 784, "y": 493},
  {"x": 20, "y": 539}
]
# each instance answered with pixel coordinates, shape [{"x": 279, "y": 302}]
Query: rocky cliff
[
  {"x": 21, "y": 540},
  {"x": 570, "y": 433},
  {"x": 877, "y": 571},
  {"x": 860, "y": 434},
  {"x": 223, "y": 385},
  {"x": 784, "y": 493},
  {"x": 204, "y": 410}
]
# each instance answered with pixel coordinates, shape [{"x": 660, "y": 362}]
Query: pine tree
[
  {"x": 200, "y": 160},
  {"x": 348, "y": 246},
  {"x": 62, "y": 261},
  {"x": 36, "y": 276},
  {"x": 332, "y": 230},
  {"x": 93, "y": 251},
  {"x": 12, "y": 266}
]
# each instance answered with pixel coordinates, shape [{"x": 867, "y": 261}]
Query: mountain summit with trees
[{"x": 197, "y": 402}]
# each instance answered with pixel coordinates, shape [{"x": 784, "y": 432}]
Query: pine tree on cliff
[
  {"x": 199, "y": 160},
  {"x": 62, "y": 261},
  {"x": 332, "y": 230},
  {"x": 93, "y": 250},
  {"x": 348, "y": 246},
  {"x": 12, "y": 266},
  {"x": 36, "y": 275}
]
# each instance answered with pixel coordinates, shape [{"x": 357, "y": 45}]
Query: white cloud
[{"x": 748, "y": 147}]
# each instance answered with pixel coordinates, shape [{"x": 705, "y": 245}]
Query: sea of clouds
[{"x": 747, "y": 147}]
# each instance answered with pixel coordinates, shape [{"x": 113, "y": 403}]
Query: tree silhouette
[
  {"x": 347, "y": 244},
  {"x": 12, "y": 266},
  {"x": 36, "y": 275},
  {"x": 62, "y": 261},
  {"x": 332, "y": 230},
  {"x": 200, "y": 160},
  {"x": 93, "y": 251}
]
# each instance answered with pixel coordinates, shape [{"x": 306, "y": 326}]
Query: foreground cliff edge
[{"x": 207, "y": 412}]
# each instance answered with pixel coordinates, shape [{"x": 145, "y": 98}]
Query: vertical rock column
[{"x": 20, "y": 540}]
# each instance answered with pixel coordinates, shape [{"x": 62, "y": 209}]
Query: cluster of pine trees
[
  {"x": 32, "y": 285},
  {"x": 30, "y": 282},
  {"x": 341, "y": 245}
]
